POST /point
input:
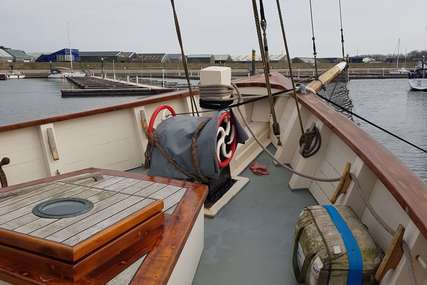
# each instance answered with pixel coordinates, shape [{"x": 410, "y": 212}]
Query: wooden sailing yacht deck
[{"x": 249, "y": 241}]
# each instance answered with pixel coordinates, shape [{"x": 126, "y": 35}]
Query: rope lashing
[
  {"x": 313, "y": 38},
  {"x": 276, "y": 126}
]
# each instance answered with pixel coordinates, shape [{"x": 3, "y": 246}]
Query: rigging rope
[
  {"x": 314, "y": 41},
  {"x": 342, "y": 31},
  {"x": 254, "y": 98},
  {"x": 245, "y": 122},
  {"x": 266, "y": 66},
  {"x": 288, "y": 58},
  {"x": 264, "y": 34},
  {"x": 369, "y": 122},
  {"x": 194, "y": 108}
]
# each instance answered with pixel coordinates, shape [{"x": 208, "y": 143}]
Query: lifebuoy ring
[{"x": 155, "y": 114}]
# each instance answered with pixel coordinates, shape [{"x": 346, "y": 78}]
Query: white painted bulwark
[
  {"x": 27, "y": 155},
  {"x": 188, "y": 261}
]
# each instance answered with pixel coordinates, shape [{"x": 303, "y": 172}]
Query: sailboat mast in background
[{"x": 69, "y": 46}]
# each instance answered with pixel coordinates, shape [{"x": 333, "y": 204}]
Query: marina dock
[
  {"x": 171, "y": 73},
  {"x": 90, "y": 82},
  {"x": 91, "y": 86}
]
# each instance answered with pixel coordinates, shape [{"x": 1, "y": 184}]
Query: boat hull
[
  {"x": 15, "y": 76},
  {"x": 66, "y": 74},
  {"x": 419, "y": 84}
]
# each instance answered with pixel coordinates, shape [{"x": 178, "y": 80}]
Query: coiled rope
[{"x": 216, "y": 96}]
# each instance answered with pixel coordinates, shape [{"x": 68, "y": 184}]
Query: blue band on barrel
[{"x": 355, "y": 260}]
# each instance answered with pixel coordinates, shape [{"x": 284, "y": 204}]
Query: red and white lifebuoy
[{"x": 226, "y": 137}]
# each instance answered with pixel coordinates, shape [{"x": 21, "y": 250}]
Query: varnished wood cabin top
[{"x": 161, "y": 247}]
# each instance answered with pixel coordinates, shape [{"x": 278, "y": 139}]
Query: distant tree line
[{"x": 414, "y": 55}]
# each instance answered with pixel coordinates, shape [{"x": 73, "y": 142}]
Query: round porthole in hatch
[{"x": 62, "y": 208}]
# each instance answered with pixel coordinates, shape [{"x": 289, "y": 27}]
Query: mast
[
  {"x": 398, "y": 53},
  {"x": 69, "y": 46},
  {"x": 406, "y": 55}
]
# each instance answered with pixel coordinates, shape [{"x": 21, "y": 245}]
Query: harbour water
[
  {"x": 387, "y": 102},
  {"x": 31, "y": 99},
  {"x": 390, "y": 104}
]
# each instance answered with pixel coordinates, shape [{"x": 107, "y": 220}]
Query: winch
[{"x": 197, "y": 148}]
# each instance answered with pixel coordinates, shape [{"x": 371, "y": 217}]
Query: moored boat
[
  {"x": 64, "y": 73},
  {"x": 418, "y": 78},
  {"x": 15, "y": 75}
]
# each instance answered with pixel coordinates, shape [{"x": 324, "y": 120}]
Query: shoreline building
[
  {"x": 110, "y": 56},
  {"x": 63, "y": 55},
  {"x": 16, "y": 54},
  {"x": 5, "y": 57}
]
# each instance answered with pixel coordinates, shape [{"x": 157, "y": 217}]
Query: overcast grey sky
[{"x": 210, "y": 26}]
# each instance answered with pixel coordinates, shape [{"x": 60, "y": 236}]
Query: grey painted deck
[{"x": 250, "y": 240}]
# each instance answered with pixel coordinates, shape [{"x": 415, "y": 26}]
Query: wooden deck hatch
[{"x": 125, "y": 213}]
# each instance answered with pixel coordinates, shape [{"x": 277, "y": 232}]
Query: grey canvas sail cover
[{"x": 175, "y": 136}]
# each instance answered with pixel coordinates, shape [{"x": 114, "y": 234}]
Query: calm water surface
[
  {"x": 388, "y": 103},
  {"x": 29, "y": 99}
]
